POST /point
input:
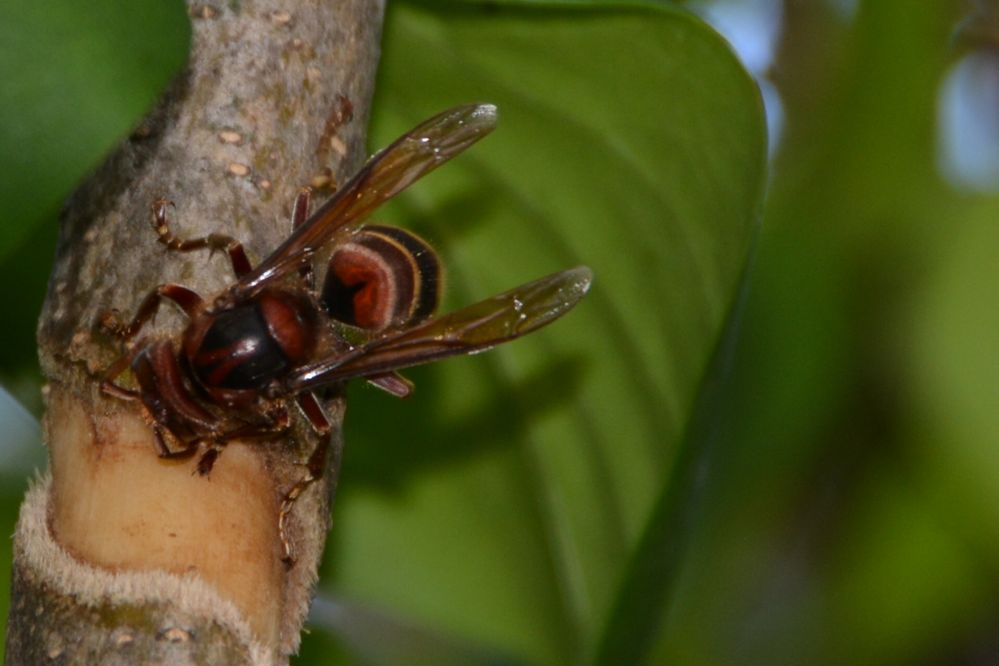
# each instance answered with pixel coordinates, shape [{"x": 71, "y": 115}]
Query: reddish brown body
[
  {"x": 248, "y": 346},
  {"x": 270, "y": 339}
]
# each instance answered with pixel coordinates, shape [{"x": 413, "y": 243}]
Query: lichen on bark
[{"x": 272, "y": 99}]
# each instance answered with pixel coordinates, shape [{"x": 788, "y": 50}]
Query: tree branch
[{"x": 133, "y": 558}]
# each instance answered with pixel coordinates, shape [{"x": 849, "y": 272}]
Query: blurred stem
[{"x": 121, "y": 556}]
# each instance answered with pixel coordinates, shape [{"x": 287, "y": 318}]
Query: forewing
[
  {"x": 413, "y": 155},
  {"x": 466, "y": 331}
]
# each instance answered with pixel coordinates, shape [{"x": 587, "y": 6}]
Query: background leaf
[
  {"x": 509, "y": 508},
  {"x": 852, "y": 515}
]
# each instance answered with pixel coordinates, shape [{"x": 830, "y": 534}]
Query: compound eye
[{"x": 384, "y": 277}]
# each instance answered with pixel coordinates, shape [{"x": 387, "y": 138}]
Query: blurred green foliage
[
  {"x": 852, "y": 513},
  {"x": 812, "y": 481}
]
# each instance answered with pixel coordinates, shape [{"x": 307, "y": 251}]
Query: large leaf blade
[{"x": 631, "y": 140}]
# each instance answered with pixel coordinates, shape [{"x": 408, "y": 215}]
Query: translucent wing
[
  {"x": 466, "y": 331},
  {"x": 415, "y": 154}
]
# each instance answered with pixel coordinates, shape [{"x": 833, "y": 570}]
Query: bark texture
[{"x": 121, "y": 557}]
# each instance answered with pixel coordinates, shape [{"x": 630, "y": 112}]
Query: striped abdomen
[{"x": 384, "y": 277}]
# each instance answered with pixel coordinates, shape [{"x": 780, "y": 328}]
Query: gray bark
[{"x": 274, "y": 98}]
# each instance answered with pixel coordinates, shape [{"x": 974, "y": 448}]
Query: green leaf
[
  {"x": 505, "y": 501},
  {"x": 76, "y": 78}
]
